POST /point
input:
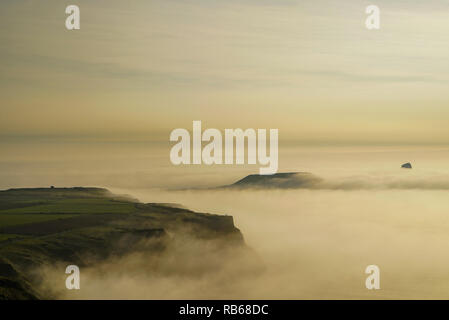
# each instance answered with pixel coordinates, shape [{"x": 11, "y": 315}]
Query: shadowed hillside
[
  {"x": 285, "y": 180},
  {"x": 62, "y": 226}
]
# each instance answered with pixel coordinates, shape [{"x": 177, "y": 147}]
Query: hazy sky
[{"x": 138, "y": 69}]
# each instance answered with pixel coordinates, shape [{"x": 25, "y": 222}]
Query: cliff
[{"x": 50, "y": 226}]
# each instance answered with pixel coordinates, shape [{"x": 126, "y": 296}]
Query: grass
[
  {"x": 8, "y": 220},
  {"x": 76, "y": 206},
  {"x": 4, "y": 237}
]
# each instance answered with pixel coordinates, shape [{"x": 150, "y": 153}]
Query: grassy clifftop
[{"x": 47, "y": 226}]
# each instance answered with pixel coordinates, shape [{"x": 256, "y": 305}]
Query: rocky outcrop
[
  {"x": 94, "y": 235},
  {"x": 285, "y": 180}
]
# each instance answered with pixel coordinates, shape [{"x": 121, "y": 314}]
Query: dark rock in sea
[
  {"x": 407, "y": 165},
  {"x": 284, "y": 180}
]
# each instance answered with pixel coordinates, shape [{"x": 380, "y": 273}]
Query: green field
[
  {"x": 75, "y": 206},
  {"x": 4, "y": 237},
  {"x": 8, "y": 219}
]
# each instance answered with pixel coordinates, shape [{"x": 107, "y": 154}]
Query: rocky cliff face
[{"x": 84, "y": 226}]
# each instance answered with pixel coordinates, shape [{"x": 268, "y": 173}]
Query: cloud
[
  {"x": 187, "y": 268},
  {"x": 381, "y": 78},
  {"x": 361, "y": 182},
  {"x": 316, "y": 244}
]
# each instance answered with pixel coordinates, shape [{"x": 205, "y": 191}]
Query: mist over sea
[{"x": 315, "y": 243}]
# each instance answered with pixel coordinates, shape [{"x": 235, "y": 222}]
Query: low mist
[
  {"x": 317, "y": 243},
  {"x": 305, "y": 244},
  {"x": 311, "y": 243}
]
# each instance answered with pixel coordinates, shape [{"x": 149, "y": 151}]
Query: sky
[{"x": 138, "y": 69}]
